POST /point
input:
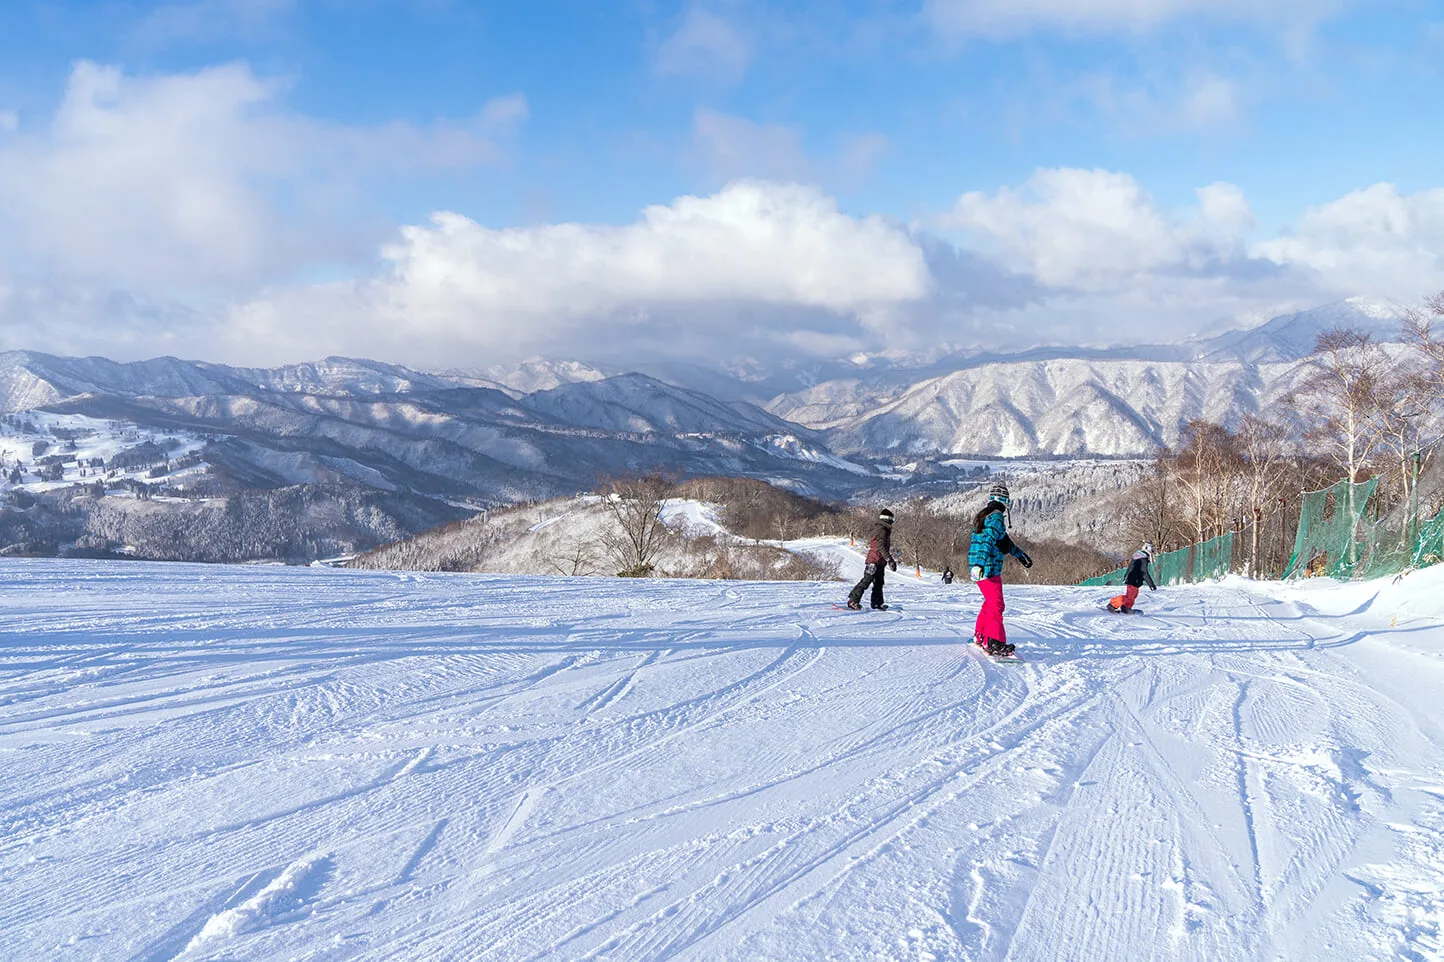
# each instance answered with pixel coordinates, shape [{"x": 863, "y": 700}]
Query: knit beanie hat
[
  {"x": 885, "y": 516},
  {"x": 999, "y": 493}
]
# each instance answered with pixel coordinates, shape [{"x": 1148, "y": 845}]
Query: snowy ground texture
[{"x": 269, "y": 763}]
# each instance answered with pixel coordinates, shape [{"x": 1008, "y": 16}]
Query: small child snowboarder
[
  {"x": 985, "y": 556},
  {"x": 948, "y": 575},
  {"x": 1137, "y": 574},
  {"x": 879, "y": 554}
]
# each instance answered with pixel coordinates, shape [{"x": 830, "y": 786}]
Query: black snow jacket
[
  {"x": 879, "y": 546},
  {"x": 1138, "y": 572}
]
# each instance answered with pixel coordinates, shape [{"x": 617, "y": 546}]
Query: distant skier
[
  {"x": 1137, "y": 574},
  {"x": 948, "y": 575},
  {"x": 879, "y": 553},
  {"x": 985, "y": 556}
]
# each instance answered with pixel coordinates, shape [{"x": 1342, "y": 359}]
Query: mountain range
[
  {"x": 1059, "y": 402},
  {"x": 550, "y": 427}
]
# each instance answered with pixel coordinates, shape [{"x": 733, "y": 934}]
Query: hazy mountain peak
[
  {"x": 540, "y": 374},
  {"x": 1289, "y": 337}
]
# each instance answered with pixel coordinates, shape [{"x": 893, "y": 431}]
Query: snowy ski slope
[{"x": 265, "y": 763}]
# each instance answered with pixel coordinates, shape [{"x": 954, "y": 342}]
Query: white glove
[{"x": 977, "y": 572}]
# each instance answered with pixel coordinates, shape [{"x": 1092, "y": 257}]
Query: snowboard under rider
[
  {"x": 879, "y": 557},
  {"x": 1137, "y": 574},
  {"x": 985, "y": 556}
]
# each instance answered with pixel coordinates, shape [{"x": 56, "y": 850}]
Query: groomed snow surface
[{"x": 271, "y": 763}]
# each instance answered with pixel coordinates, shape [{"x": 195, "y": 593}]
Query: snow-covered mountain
[
  {"x": 339, "y": 376},
  {"x": 29, "y": 379},
  {"x": 1077, "y": 403},
  {"x": 1290, "y": 337},
  {"x": 388, "y": 427},
  {"x": 1060, "y": 407},
  {"x": 550, "y": 426},
  {"x": 533, "y": 374},
  {"x": 636, "y": 403}
]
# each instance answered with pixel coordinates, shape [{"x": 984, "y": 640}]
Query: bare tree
[
  {"x": 1205, "y": 471},
  {"x": 637, "y": 533},
  {"x": 1262, "y": 445},
  {"x": 785, "y": 521},
  {"x": 1342, "y": 391},
  {"x": 577, "y": 558},
  {"x": 1153, "y": 515},
  {"x": 1403, "y": 414},
  {"x": 1421, "y": 329},
  {"x": 912, "y": 532}
]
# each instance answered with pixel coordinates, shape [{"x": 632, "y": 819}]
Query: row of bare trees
[
  {"x": 1359, "y": 409},
  {"x": 1218, "y": 481}
]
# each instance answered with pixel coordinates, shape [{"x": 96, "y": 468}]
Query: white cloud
[
  {"x": 705, "y": 46},
  {"x": 735, "y": 147},
  {"x": 1091, "y": 229},
  {"x": 751, "y": 241},
  {"x": 1375, "y": 240},
  {"x": 195, "y": 180},
  {"x": 861, "y": 154},
  {"x": 1000, "y": 19},
  {"x": 204, "y": 20},
  {"x": 772, "y": 262},
  {"x": 9, "y": 121},
  {"x": 1226, "y": 210},
  {"x": 1210, "y": 101},
  {"x": 732, "y": 148},
  {"x": 1119, "y": 266},
  {"x": 1145, "y": 102}
]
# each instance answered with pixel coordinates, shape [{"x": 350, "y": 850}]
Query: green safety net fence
[
  {"x": 1342, "y": 536},
  {"x": 1196, "y": 562},
  {"x": 1333, "y": 539},
  {"x": 1430, "y": 547}
]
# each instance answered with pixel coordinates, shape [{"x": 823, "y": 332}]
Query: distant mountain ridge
[
  {"x": 1290, "y": 337},
  {"x": 1073, "y": 402},
  {"x": 443, "y": 436},
  {"x": 550, "y": 426}
]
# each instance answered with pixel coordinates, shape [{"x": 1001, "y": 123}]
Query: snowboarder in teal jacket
[{"x": 989, "y": 544}]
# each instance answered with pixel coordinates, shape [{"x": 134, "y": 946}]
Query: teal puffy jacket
[{"x": 988, "y": 546}]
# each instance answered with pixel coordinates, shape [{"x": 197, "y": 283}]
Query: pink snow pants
[{"x": 990, "y": 619}]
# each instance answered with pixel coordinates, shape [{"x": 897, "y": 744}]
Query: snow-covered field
[
  {"x": 85, "y": 448},
  {"x": 271, "y": 763}
]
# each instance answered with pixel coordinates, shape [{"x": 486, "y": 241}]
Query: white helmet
[{"x": 1148, "y": 548}]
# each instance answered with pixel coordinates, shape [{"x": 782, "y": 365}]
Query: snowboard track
[{"x": 407, "y": 767}]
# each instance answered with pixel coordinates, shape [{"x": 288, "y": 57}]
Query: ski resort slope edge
[{"x": 271, "y": 763}]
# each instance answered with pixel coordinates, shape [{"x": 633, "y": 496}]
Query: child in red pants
[{"x": 1137, "y": 574}]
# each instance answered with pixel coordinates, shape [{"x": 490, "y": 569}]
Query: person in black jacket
[
  {"x": 879, "y": 554},
  {"x": 1137, "y": 575}
]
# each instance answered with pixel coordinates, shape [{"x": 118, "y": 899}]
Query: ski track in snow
[{"x": 268, "y": 763}]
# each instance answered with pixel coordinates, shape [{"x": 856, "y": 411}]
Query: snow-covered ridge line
[{"x": 1122, "y": 402}]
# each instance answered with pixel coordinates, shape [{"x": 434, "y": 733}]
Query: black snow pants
[{"x": 871, "y": 575}]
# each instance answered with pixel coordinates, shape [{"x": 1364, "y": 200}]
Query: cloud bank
[
  {"x": 771, "y": 263},
  {"x": 199, "y": 180},
  {"x": 190, "y": 214},
  {"x": 1002, "y": 19}
]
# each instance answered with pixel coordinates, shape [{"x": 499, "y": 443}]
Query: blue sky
[{"x": 436, "y": 180}]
